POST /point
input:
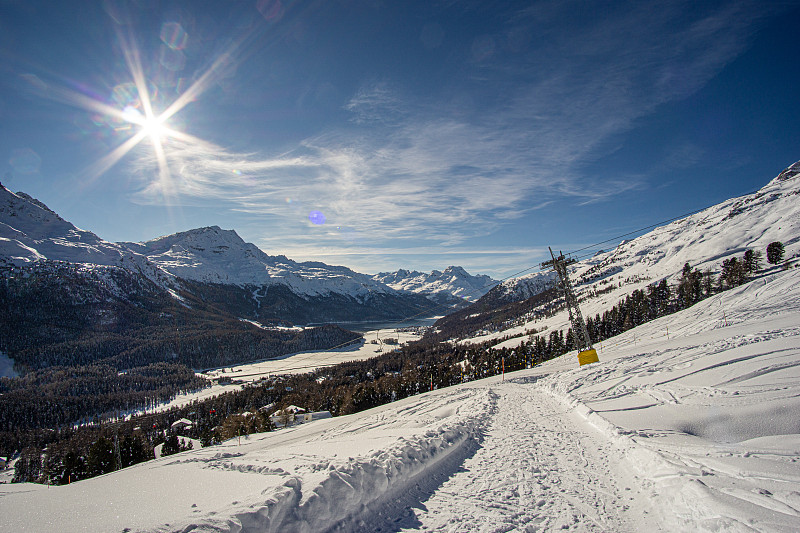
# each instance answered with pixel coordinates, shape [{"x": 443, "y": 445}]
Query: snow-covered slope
[
  {"x": 523, "y": 287},
  {"x": 30, "y": 231},
  {"x": 690, "y": 431},
  {"x": 704, "y": 240},
  {"x": 452, "y": 283},
  {"x": 214, "y": 255}
]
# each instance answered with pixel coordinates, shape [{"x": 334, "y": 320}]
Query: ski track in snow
[{"x": 539, "y": 468}]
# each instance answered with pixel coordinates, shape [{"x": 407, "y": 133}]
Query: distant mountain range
[
  {"x": 453, "y": 286},
  {"x": 222, "y": 270}
]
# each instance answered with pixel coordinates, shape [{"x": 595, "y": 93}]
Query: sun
[
  {"x": 153, "y": 127},
  {"x": 130, "y": 111}
]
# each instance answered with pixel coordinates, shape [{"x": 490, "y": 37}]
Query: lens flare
[
  {"x": 317, "y": 218},
  {"x": 25, "y": 161},
  {"x": 174, "y": 36},
  {"x": 172, "y": 59},
  {"x": 271, "y": 10}
]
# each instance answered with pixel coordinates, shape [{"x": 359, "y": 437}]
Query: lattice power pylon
[{"x": 586, "y": 354}]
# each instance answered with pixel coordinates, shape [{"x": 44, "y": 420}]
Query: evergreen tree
[
  {"x": 733, "y": 272},
  {"x": 689, "y": 287},
  {"x": 133, "y": 450},
  {"x": 571, "y": 340},
  {"x": 660, "y": 295},
  {"x": 775, "y": 252},
  {"x": 28, "y": 467},
  {"x": 73, "y": 468},
  {"x": 590, "y": 329},
  {"x": 708, "y": 283},
  {"x": 171, "y": 446},
  {"x": 208, "y": 437},
  {"x": 752, "y": 261},
  {"x": 101, "y": 457}
]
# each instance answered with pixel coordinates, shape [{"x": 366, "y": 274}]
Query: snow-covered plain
[
  {"x": 297, "y": 363},
  {"x": 694, "y": 431}
]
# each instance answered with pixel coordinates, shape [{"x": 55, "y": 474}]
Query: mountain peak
[
  {"x": 452, "y": 284},
  {"x": 31, "y": 232},
  {"x": 197, "y": 238},
  {"x": 214, "y": 255},
  {"x": 456, "y": 270},
  {"x": 37, "y": 203},
  {"x": 789, "y": 173}
]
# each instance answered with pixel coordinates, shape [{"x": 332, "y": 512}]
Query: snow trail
[{"x": 539, "y": 468}]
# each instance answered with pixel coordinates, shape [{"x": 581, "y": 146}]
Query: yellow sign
[{"x": 588, "y": 356}]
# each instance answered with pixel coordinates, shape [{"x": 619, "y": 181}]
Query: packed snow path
[{"x": 540, "y": 467}]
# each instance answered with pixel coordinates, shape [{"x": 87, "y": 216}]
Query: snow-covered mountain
[
  {"x": 523, "y": 287},
  {"x": 30, "y": 232},
  {"x": 703, "y": 240},
  {"x": 452, "y": 285},
  {"x": 215, "y": 265},
  {"x": 214, "y": 255}
]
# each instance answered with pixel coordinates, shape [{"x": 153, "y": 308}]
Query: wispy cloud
[
  {"x": 375, "y": 103},
  {"x": 495, "y": 261},
  {"x": 442, "y": 177}
]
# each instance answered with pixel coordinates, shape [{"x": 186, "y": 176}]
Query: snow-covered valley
[
  {"x": 696, "y": 431},
  {"x": 297, "y": 363}
]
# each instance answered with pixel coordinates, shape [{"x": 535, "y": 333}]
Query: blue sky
[{"x": 395, "y": 134}]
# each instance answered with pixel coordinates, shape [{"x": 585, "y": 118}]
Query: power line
[
  {"x": 320, "y": 362},
  {"x": 688, "y": 214},
  {"x": 516, "y": 274}
]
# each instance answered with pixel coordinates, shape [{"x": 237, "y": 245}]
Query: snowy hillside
[
  {"x": 706, "y": 238},
  {"x": 30, "y": 231},
  {"x": 690, "y": 430},
  {"x": 452, "y": 284},
  {"x": 524, "y": 287},
  {"x": 214, "y": 255}
]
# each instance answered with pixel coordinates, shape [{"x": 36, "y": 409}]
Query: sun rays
[{"x": 131, "y": 115}]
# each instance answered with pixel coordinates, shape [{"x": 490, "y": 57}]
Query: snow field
[
  {"x": 302, "y": 362},
  {"x": 695, "y": 432},
  {"x": 709, "y": 417}
]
